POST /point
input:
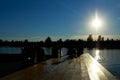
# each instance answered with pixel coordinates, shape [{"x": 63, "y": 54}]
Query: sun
[{"x": 96, "y": 22}]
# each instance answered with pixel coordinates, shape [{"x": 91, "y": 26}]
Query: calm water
[
  {"x": 110, "y": 59},
  {"x": 48, "y": 51},
  {"x": 10, "y": 50}
]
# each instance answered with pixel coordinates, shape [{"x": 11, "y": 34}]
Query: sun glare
[{"x": 96, "y": 23}]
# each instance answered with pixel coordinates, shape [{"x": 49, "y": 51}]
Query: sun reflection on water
[{"x": 97, "y": 56}]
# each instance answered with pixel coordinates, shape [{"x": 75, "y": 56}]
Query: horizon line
[{"x": 54, "y": 38}]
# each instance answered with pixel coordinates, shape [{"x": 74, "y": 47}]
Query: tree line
[
  {"x": 68, "y": 43},
  {"x": 31, "y": 50}
]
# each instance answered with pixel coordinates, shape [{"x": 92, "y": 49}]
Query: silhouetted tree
[
  {"x": 90, "y": 38},
  {"x": 90, "y": 43},
  {"x": 98, "y": 43},
  {"x": 48, "y": 42}
]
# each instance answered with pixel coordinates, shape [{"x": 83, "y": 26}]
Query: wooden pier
[{"x": 81, "y": 68}]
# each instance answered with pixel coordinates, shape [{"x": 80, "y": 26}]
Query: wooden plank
[{"x": 81, "y": 68}]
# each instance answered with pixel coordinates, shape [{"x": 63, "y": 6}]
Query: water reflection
[
  {"x": 109, "y": 58},
  {"x": 97, "y": 56},
  {"x": 95, "y": 70}
]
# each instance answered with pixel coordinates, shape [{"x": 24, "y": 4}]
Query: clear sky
[{"x": 38, "y": 19}]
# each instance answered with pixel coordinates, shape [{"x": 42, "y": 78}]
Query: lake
[
  {"x": 48, "y": 51},
  {"x": 109, "y": 58},
  {"x": 10, "y": 50}
]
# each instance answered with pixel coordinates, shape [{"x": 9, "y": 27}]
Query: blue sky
[{"x": 38, "y": 19}]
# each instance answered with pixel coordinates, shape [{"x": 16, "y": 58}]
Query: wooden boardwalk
[{"x": 81, "y": 68}]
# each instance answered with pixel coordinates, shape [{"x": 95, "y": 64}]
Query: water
[
  {"x": 64, "y": 51},
  {"x": 10, "y": 50},
  {"x": 48, "y": 51},
  {"x": 109, "y": 58}
]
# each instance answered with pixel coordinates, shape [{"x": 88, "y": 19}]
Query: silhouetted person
[
  {"x": 40, "y": 54},
  {"x": 55, "y": 52},
  {"x": 79, "y": 51},
  {"x": 80, "y": 48},
  {"x": 71, "y": 52}
]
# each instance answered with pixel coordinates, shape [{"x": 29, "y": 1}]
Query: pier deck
[{"x": 81, "y": 68}]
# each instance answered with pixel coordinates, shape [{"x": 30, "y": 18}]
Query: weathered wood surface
[{"x": 81, "y": 68}]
